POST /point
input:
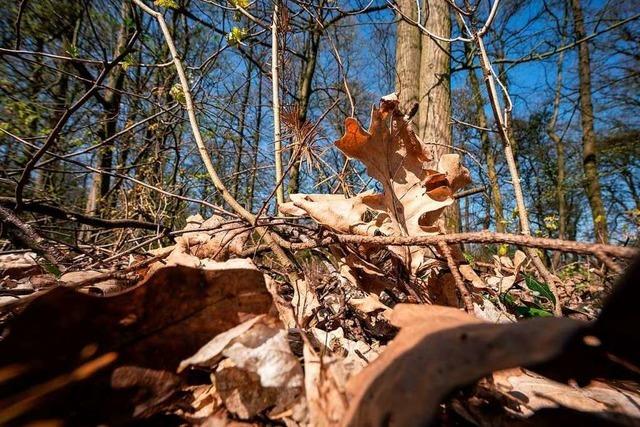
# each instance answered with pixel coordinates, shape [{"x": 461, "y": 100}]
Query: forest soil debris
[{"x": 208, "y": 338}]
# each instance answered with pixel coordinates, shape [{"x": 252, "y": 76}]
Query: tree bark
[
  {"x": 560, "y": 156},
  {"x": 254, "y": 155},
  {"x": 424, "y": 77},
  {"x": 408, "y": 51},
  {"x": 241, "y": 130},
  {"x": 434, "y": 113},
  {"x": 589, "y": 149}
]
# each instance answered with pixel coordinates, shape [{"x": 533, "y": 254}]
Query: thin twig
[
  {"x": 277, "y": 131},
  {"x": 53, "y": 135},
  {"x": 26, "y": 235},
  {"x": 57, "y": 212},
  {"x": 472, "y": 237},
  {"x": 464, "y": 292}
]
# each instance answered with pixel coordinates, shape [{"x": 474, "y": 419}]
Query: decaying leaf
[
  {"x": 304, "y": 302},
  {"x": 255, "y": 369},
  {"x": 19, "y": 265},
  {"x": 501, "y": 284},
  {"x": 530, "y": 393},
  {"x": 369, "y": 304},
  {"x": 416, "y": 187},
  {"x": 440, "y": 349},
  {"x": 405, "y": 384},
  {"x": 211, "y": 353},
  {"x": 352, "y": 355},
  {"x": 155, "y": 387},
  {"x": 343, "y": 215},
  {"x": 214, "y": 238},
  {"x": 155, "y": 324},
  {"x": 469, "y": 274},
  {"x": 324, "y": 389},
  {"x": 488, "y": 311},
  {"x": 103, "y": 287}
]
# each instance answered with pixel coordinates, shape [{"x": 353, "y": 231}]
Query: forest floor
[{"x": 190, "y": 334}]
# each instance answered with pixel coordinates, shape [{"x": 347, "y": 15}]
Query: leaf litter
[{"x": 368, "y": 336}]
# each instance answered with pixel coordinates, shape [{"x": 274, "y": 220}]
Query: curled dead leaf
[
  {"x": 405, "y": 384},
  {"x": 416, "y": 188},
  {"x": 440, "y": 349},
  {"x": 213, "y": 238},
  {"x": 255, "y": 369},
  {"x": 155, "y": 324},
  {"x": 531, "y": 392}
]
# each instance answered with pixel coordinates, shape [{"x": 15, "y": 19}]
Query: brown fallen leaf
[
  {"x": 17, "y": 266},
  {"x": 417, "y": 188},
  {"x": 42, "y": 281},
  {"x": 155, "y": 387},
  {"x": 439, "y": 349},
  {"x": 487, "y": 310},
  {"x": 531, "y": 392},
  {"x": 304, "y": 302},
  {"x": 155, "y": 324},
  {"x": 255, "y": 369},
  {"x": 211, "y": 353},
  {"x": 501, "y": 284},
  {"x": 339, "y": 213},
  {"x": 369, "y": 304},
  {"x": 105, "y": 286},
  {"x": 213, "y": 238},
  {"x": 324, "y": 388},
  {"x": 469, "y": 274}
]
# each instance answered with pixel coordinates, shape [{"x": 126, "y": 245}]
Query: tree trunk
[
  {"x": 627, "y": 176},
  {"x": 109, "y": 120},
  {"x": 256, "y": 148},
  {"x": 242, "y": 124},
  {"x": 434, "y": 113},
  {"x": 304, "y": 94},
  {"x": 408, "y": 51},
  {"x": 434, "y": 122},
  {"x": 45, "y": 182},
  {"x": 589, "y": 149},
  {"x": 560, "y": 159}
]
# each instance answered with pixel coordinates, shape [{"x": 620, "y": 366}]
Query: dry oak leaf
[
  {"x": 337, "y": 212},
  {"x": 155, "y": 324},
  {"x": 416, "y": 187},
  {"x": 469, "y": 274},
  {"x": 324, "y": 379},
  {"x": 439, "y": 349},
  {"x": 214, "y": 238},
  {"x": 256, "y": 369},
  {"x": 531, "y": 392}
]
